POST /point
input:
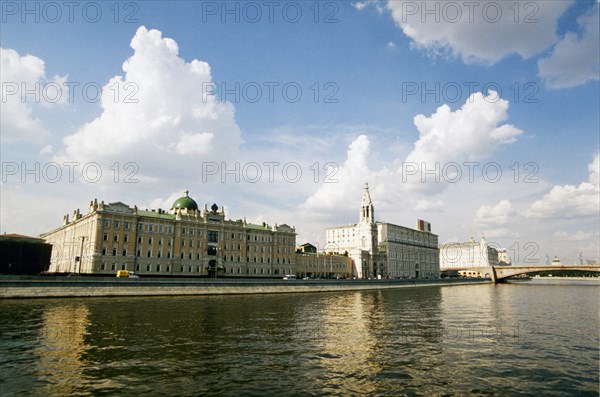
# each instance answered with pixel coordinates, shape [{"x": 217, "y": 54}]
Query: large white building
[
  {"x": 410, "y": 253},
  {"x": 385, "y": 250},
  {"x": 469, "y": 254},
  {"x": 184, "y": 241}
]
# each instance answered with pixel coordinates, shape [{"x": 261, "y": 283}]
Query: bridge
[{"x": 499, "y": 273}]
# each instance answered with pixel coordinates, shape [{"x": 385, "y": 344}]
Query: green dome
[{"x": 185, "y": 202}]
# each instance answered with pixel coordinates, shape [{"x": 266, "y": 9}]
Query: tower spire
[{"x": 367, "y": 211}]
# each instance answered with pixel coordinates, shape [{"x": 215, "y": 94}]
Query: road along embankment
[{"x": 60, "y": 287}]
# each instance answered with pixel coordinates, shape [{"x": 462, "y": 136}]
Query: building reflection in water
[
  {"x": 345, "y": 343},
  {"x": 415, "y": 341},
  {"x": 367, "y": 340},
  {"x": 60, "y": 366},
  {"x": 348, "y": 343},
  {"x": 478, "y": 315}
]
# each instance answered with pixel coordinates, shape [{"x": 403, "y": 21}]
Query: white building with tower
[{"x": 385, "y": 250}]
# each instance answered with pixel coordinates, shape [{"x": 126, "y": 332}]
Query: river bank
[{"x": 60, "y": 287}]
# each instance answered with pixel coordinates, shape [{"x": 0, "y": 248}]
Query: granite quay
[{"x": 57, "y": 286}]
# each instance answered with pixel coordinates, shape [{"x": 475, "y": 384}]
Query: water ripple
[{"x": 447, "y": 341}]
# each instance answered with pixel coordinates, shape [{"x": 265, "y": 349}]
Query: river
[{"x": 532, "y": 338}]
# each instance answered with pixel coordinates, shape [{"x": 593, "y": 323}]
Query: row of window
[
  {"x": 400, "y": 237},
  {"x": 117, "y": 224},
  {"x": 412, "y": 239},
  {"x": 324, "y": 265},
  {"x": 212, "y": 238},
  {"x": 169, "y": 243},
  {"x": 212, "y": 235},
  {"x": 211, "y": 251},
  {"x": 412, "y": 266},
  {"x": 409, "y": 274},
  {"x": 197, "y": 269},
  {"x": 411, "y": 255},
  {"x": 338, "y": 235}
]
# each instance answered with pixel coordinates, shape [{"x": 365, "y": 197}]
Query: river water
[{"x": 530, "y": 338}]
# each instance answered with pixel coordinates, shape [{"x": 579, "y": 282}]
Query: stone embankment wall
[{"x": 54, "y": 287}]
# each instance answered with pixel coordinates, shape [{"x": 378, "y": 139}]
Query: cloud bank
[{"x": 162, "y": 115}]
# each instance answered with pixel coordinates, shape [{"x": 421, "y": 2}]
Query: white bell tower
[
  {"x": 367, "y": 212},
  {"x": 367, "y": 228}
]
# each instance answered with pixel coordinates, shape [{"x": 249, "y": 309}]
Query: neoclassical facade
[
  {"x": 184, "y": 241},
  {"x": 410, "y": 253},
  {"x": 469, "y": 254},
  {"x": 385, "y": 250}
]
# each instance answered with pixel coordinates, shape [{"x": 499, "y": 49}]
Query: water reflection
[
  {"x": 346, "y": 345},
  {"x": 407, "y": 341},
  {"x": 60, "y": 366},
  {"x": 493, "y": 328}
]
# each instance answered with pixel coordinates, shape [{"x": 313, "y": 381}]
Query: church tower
[
  {"x": 367, "y": 212},
  {"x": 361, "y": 241},
  {"x": 367, "y": 228},
  {"x": 367, "y": 237}
]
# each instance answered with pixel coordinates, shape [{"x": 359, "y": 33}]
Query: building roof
[
  {"x": 257, "y": 227},
  {"x": 392, "y": 225},
  {"x": 308, "y": 245},
  {"x": 21, "y": 237},
  {"x": 342, "y": 227},
  {"x": 155, "y": 214},
  {"x": 185, "y": 202}
]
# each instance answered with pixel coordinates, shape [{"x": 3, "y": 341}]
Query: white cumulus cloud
[
  {"x": 494, "y": 214},
  {"x": 571, "y": 201},
  {"x": 576, "y": 58},
  {"x": 481, "y": 31},
  {"x": 471, "y": 133},
  {"x": 163, "y": 112},
  {"x": 348, "y": 181},
  {"x": 194, "y": 143},
  {"x": 361, "y": 5}
]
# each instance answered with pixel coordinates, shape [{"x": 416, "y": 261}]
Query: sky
[{"x": 480, "y": 117}]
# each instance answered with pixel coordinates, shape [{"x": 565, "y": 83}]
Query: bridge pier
[{"x": 493, "y": 274}]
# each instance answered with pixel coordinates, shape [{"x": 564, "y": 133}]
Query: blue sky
[{"x": 361, "y": 67}]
